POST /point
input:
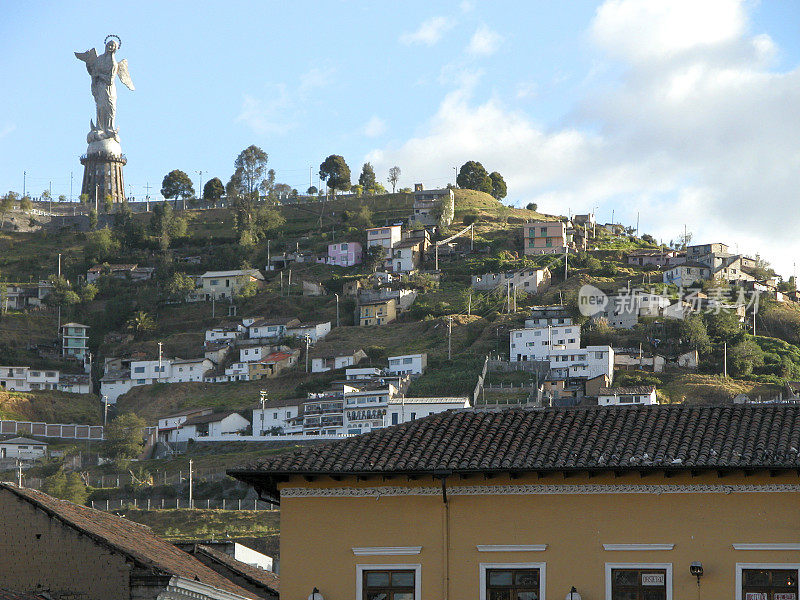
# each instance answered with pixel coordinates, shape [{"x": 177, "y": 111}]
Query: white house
[
  {"x": 23, "y": 449},
  {"x": 25, "y": 379},
  {"x": 387, "y": 237},
  {"x": 356, "y": 374},
  {"x": 645, "y": 394},
  {"x": 272, "y": 327},
  {"x": 336, "y": 359},
  {"x": 188, "y": 369},
  {"x": 278, "y": 414},
  {"x": 315, "y": 331},
  {"x": 74, "y": 383},
  {"x": 211, "y": 425},
  {"x": 407, "y": 256},
  {"x": 365, "y": 410},
  {"x": 225, "y": 331},
  {"x": 686, "y": 274},
  {"x": 542, "y": 316},
  {"x": 408, "y": 364},
  {"x": 583, "y": 363},
  {"x": 537, "y": 343},
  {"x": 168, "y": 426},
  {"x": 403, "y": 410}
]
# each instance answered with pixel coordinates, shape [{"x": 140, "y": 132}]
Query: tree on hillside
[
  {"x": 473, "y": 176},
  {"x": 62, "y": 198},
  {"x": 25, "y": 204},
  {"x": 367, "y": 179},
  {"x": 124, "y": 437},
  {"x": 6, "y": 206},
  {"x": 499, "y": 190},
  {"x": 250, "y": 174},
  {"x": 312, "y": 190},
  {"x": 108, "y": 203},
  {"x": 694, "y": 333},
  {"x": 335, "y": 172},
  {"x": 532, "y": 206},
  {"x": 177, "y": 184},
  {"x": 92, "y": 218},
  {"x": 65, "y": 486},
  {"x": 374, "y": 257},
  {"x": 179, "y": 286},
  {"x": 101, "y": 245},
  {"x": 84, "y": 198},
  {"x": 213, "y": 190},
  {"x": 744, "y": 357},
  {"x": 45, "y": 197},
  {"x": 140, "y": 323},
  {"x": 166, "y": 225},
  {"x": 394, "y": 177}
]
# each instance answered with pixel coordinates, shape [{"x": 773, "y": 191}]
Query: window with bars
[
  {"x": 512, "y": 584},
  {"x": 638, "y": 584},
  {"x": 389, "y": 585},
  {"x": 769, "y": 584}
]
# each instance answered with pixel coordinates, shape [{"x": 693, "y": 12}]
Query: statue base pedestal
[{"x": 102, "y": 171}]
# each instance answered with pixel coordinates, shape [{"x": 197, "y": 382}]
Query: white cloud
[
  {"x": 467, "y": 6},
  {"x": 698, "y": 130},
  {"x": 316, "y": 78},
  {"x": 484, "y": 42},
  {"x": 429, "y": 32},
  {"x": 6, "y": 130},
  {"x": 272, "y": 116},
  {"x": 526, "y": 90},
  {"x": 375, "y": 127}
]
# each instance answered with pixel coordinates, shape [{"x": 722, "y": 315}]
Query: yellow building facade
[
  {"x": 377, "y": 313},
  {"x": 634, "y": 503}
]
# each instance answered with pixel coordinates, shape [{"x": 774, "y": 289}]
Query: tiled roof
[
  {"x": 210, "y": 418},
  {"x": 637, "y": 438},
  {"x": 23, "y": 440},
  {"x": 135, "y": 541},
  {"x": 9, "y": 595},
  {"x": 253, "y": 574}
]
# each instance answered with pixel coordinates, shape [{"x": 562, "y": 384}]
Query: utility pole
[
  {"x": 97, "y": 199},
  {"x": 24, "y": 178},
  {"x": 105, "y": 410},
  {"x": 508, "y": 298},
  {"x": 200, "y": 189},
  {"x": 725, "y": 359},
  {"x": 147, "y": 197},
  {"x": 70, "y": 186},
  {"x": 191, "y": 499},
  {"x": 50, "y": 195},
  {"x": 159, "y": 360},
  {"x": 337, "y": 309},
  {"x": 59, "y": 265},
  {"x": 469, "y": 304},
  {"x": 268, "y": 255},
  {"x": 289, "y": 284},
  {"x": 637, "y": 223},
  {"x": 19, "y": 473},
  {"x": 307, "y": 340},
  {"x": 449, "y": 337},
  {"x": 263, "y": 395}
]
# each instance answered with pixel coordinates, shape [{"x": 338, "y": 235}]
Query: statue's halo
[{"x": 119, "y": 41}]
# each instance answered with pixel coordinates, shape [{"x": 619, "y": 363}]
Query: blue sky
[{"x": 681, "y": 111}]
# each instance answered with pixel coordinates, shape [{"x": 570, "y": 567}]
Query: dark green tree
[
  {"x": 179, "y": 286},
  {"x": 177, "y": 184},
  {"x": 250, "y": 174},
  {"x": 213, "y": 190},
  {"x": 531, "y": 206},
  {"x": 472, "y": 176},
  {"x": 312, "y": 190},
  {"x": 499, "y": 190},
  {"x": 125, "y": 437},
  {"x": 92, "y": 219},
  {"x": 374, "y": 257},
  {"x": 367, "y": 179},
  {"x": 6, "y": 206},
  {"x": 335, "y": 172},
  {"x": 694, "y": 333}
]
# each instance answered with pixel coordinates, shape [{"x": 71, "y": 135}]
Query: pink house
[{"x": 346, "y": 254}]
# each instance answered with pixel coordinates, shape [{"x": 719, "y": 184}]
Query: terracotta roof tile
[
  {"x": 619, "y": 438},
  {"x": 254, "y": 574}
]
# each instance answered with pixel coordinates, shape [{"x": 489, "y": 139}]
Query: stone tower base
[{"x": 102, "y": 174}]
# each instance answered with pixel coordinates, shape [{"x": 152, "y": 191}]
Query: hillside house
[
  {"x": 637, "y": 361},
  {"x": 75, "y": 341},
  {"x": 271, "y": 327},
  {"x": 645, "y": 394},
  {"x": 132, "y": 272},
  {"x": 323, "y": 414},
  {"x": 386, "y": 237},
  {"x": 19, "y": 296},
  {"x": 637, "y": 494},
  {"x": 277, "y": 415},
  {"x": 362, "y": 374},
  {"x": 531, "y": 281},
  {"x": 407, "y": 256},
  {"x": 546, "y": 237},
  {"x": 583, "y": 363},
  {"x": 406, "y": 409},
  {"x": 226, "y": 284},
  {"x": 211, "y": 425},
  {"x": 26, "y": 379},
  {"x": 225, "y": 331},
  {"x": 433, "y": 207},
  {"x": 345, "y": 254},
  {"x": 408, "y": 364},
  {"x": 168, "y": 426},
  {"x": 328, "y": 360},
  {"x": 238, "y": 563},
  {"x": 76, "y": 552},
  {"x": 378, "y": 312},
  {"x": 23, "y": 448},
  {"x": 272, "y": 364},
  {"x": 658, "y": 258},
  {"x": 538, "y": 343},
  {"x": 686, "y": 274},
  {"x": 313, "y": 288},
  {"x": 315, "y": 331}
]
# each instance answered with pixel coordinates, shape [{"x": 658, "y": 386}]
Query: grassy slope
[{"x": 51, "y": 407}]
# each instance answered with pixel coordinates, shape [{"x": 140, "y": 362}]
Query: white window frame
[
  {"x": 361, "y": 569},
  {"x": 542, "y": 566},
  {"x": 742, "y": 566},
  {"x": 666, "y": 566}
]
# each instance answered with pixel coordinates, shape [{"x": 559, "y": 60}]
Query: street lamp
[
  {"x": 337, "y": 309},
  {"x": 263, "y": 395},
  {"x": 315, "y": 595}
]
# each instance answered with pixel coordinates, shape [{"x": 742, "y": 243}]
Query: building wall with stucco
[
  {"x": 567, "y": 519},
  {"x": 40, "y": 553}
]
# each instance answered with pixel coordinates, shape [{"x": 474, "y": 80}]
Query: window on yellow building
[
  {"x": 513, "y": 584},
  {"x": 639, "y": 584},
  {"x": 389, "y": 585},
  {"x": 769, "y": 584}
]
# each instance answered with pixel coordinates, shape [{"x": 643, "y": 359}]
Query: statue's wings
[
  {"x": 124, "y": 76},
  {"x": 88, "y": 57}
]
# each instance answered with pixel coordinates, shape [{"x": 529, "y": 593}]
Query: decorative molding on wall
[
  {"x": 638, "y": 547},
  {"x": 387, "y": 550},
  {"x": 511, "y": 547},
  {"x": 511, "y": 490},
  {"x": 777, "y": 546}
]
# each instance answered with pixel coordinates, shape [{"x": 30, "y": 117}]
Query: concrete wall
[{"x": 318, "y": 534}]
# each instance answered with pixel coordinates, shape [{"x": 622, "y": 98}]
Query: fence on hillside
[{"x": 181, "y": 503}]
